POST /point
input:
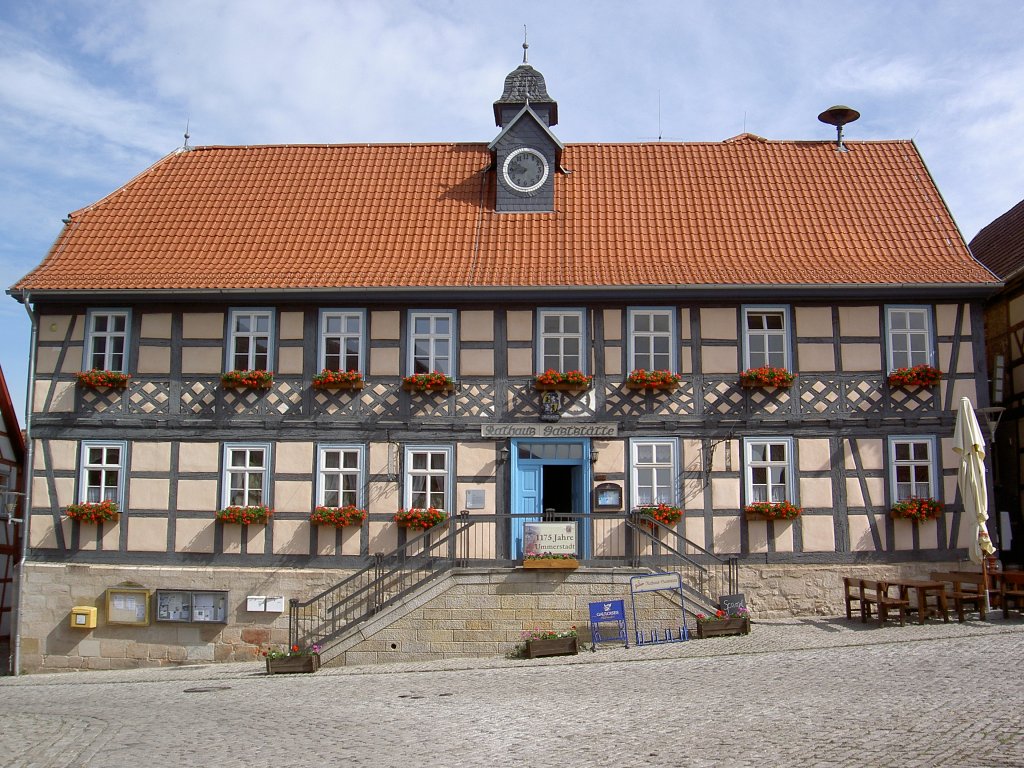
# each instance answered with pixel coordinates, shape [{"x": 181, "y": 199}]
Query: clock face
[{"x": 525, "y": 170}]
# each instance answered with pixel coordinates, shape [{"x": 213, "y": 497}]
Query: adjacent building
[{"x": 490, "y": 264}]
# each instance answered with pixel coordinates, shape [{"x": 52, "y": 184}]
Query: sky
[{"x": 93, "y": 93}]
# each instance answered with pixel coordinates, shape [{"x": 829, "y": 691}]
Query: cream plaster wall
[
  {"x": 198, "y": 495},
  {"x": 520, "y": 362},
  {"x": 612, "y": 324},
  {"x": 720, "y": 359},
  {"x": 74, "y": 359},
  {"x": 784, "y": 535},
  {"x": 40, "y": 493},
  {"x": 256, "y": 540},
  {"x": 685, "y": 360},
  {"x": 613, "y": 362},
  {"x": 476, "y": 325},
  {"x": 519, "y": 324},
  {"x": 861, "y": 357},
  {"x": 718, "y": 323},
  {"x": 476, "y": 362},
  {"x": 55, "y": 327},
  {"x": 202, "y": 360},
  {"x": 384, "y": 361},
  {"x": 860, "y": 532},
  {"x": 63, "y": 396},
  {"x": 293, "y": 458},
  {"x": 611, "y": 456},
  {"x": 147, "y": 534},
  {"x": 816, "y": 357},
  {"x": 384, "y": 499},
  {"x": 156, "y": 325},
  {"x": 476, "y": 459},
  {"x": 292, "y": 496},
  {"x": 194, "y": 535},
  {"x": 818, "y": 533},
  {"x": 385, "y": 325},
  {"x": 198, "y": 457},
  {"x": 43, "y": 533},
  {"x": 46, "y": 359},
  {"x": 148, "y": 493},
  {"x": 202, "y": 325},
  {"x": 965, "y": 357},
  {"x": 383, "y": 459},
  {"x": 859, "y": 321},
  {"x": 855, "y": 497},
  {"x": 815, "y": 455},
  {"x": 727, "y": 534},
  {"x": 154, "y": 360},
  {"x": 816, "y": 492},
  {"x": 290, "y": 326},
  {"x": 63, "y": 455},
  {"x": 813, "y": 321},
  {"x": 757, "y": 535},
  {"x": 725, "y": 493},
  {"x": 945, "y": 319},
  {"x": 1015, "y": 309},
  {"x": 291, "y": 537},
  {"x": 684, "y": 323},
  {"x": 871, "y": 452},
  {"x": 289, "y": 361}
]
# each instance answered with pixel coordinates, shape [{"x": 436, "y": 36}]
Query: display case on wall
[
  {"x": 197, "y": 606},
  {"x": 127, "y": 605}
]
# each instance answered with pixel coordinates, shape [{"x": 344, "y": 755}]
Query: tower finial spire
[{"x": 526, "y": 45}]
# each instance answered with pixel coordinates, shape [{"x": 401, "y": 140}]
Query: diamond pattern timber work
[
  {"x": 431, "y": 405},
  {"x": 913, "y": 399},
  {"x": 821, "y": 396},
  {"x": 382, "y": 402},
  {"x": 723, "y": 398},
  {"x": 770, "y": 401},
  {"x": 107, "y": 400},
  {"x": 623, "y": 402},
  {"x": 337, "y": 403},
  {"x": 151, "y": 397},
  {"x": 476, "y": 401},
  {"x": 865, "y": 396},
  {"x": 199, "y": 397}
]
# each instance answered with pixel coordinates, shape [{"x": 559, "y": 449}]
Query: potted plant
[
  {"x": 255, "y": 513},
  {"x": 551, "y": 560},
  {"x": 535, "y": 643},
  {"x": 723, "y": 623},
  {"x": 428, "y": 382},
  {"x": 641, "y": 379},
  {"x": 766, "y": 376},
  {"x": 923, "y": 375},
  {"x": 100, "y": 379},
  {"x": 769, "y": 510},
  {"x": 666, "y": 514},
  {"x": 556, "y": 381},
  {"x": 295, "y": 659},
  {"x": 93, "y": 511},
  {"x": 415, "y": 517},
  {"x": 919, "y": 509},
  {"x": 339, "y": 517},
  {"x": 328, "y": 379},
  {"x": 255, "y": 379}
]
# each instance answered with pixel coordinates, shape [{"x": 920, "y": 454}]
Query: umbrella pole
[{"x": 984, "y": 581}]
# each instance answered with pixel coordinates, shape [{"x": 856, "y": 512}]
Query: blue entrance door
[{"x": 550, "y": 474}]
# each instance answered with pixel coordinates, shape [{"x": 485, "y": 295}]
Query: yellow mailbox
[{"x": 83, "y": 617}]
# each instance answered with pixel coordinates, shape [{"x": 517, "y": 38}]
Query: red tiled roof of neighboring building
[
  {"x": 742, "y": 212},
  {"x": 1000, "y": 245}
]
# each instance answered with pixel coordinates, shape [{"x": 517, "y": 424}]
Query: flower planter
[
  {"x": 552, "y": 563},
  {"x": 289, "y": 665},
  {"x": 574, "y": 389},
  {"x": 339, "y": 385},
  {"x": 560, "y": 646},
  {"x": 734, "y": 626},
  {"x": 900, "y": 516},
  {"x": 667, "y": 387},
  {"x": 443, "y": 388}
]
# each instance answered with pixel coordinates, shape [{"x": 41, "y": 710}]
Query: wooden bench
[
  {"x": 967, "y": 589},
  {"x": 876, "y": 593},
  {"x": 1011, "y": 590},
  {"x": 851, "y": 594}
]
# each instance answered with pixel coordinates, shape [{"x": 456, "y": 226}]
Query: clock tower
[{"x": 526, "y": 152}]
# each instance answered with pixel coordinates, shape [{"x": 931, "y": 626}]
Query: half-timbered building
[{"x": 224, "y": 281}]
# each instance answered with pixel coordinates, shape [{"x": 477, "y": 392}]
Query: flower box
[
  {"x": 552, "y": 563},
  {"x": 919, "y": 509},
  {"x": 328, "y": 379},
  {"x": 556, "y": 381},
  {"x": 559, "y": 646},
  {"x": 429, "y": 382},
  {"x": 651, "y": 380},
  {"x": 255, "y": 379},
  {"x": 339, "y": 517},
  {"x": 767, "y": 376},
  {"x": 254, "y": 514},
  {"x": 93, "y": 512},
  {"x": 288, "y": 665},
  {"x": 919, "y": 376},
  {"x": 767, "y": 510},
  {"x": 734, "y": 625},
  {"x": 666, "y": 514},
  {"x": 420, "y": 518},
  {"x": 99, "y": 379}
]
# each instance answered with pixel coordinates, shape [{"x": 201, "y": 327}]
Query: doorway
[{"x": 550, "y": 482}]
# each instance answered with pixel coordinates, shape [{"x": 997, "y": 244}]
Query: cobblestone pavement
[{"x": 794, "y": 692}]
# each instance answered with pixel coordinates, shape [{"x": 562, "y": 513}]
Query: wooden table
[{"x": 923, "y": 589}]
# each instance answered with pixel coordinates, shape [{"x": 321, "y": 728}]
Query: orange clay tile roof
[
  {"x": 741, "y": 212},
  {"x": 1000, "y": 245}
]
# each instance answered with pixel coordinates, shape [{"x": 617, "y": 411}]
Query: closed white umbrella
[{"x": 970, "y": 445}]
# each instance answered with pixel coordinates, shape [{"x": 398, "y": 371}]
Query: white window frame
[
  {"x": 233, "y": 335},
  {"x": 85, "y": 466},
  {"x": 782, "y": 310},
  {"x": 265, "y": 471},
  {"x": 92, "y": 336},
  {"x": 359, "y": 472},
  {"x": 750, "y": 465},
  {"x": 433, "y": 338},
  {"x": 671, "y": 496},
  {"x": 931, "y": 462},
  {"x": 928, "y": 332},
  {"x": 670, "y": 334},
  {"x": 581, "y": 336},
  {"x": 411, "y": 474},
  {"x": 327, "y": 315}
]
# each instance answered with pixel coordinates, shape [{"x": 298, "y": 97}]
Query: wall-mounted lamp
[
  {"x": 593, "y": 457},
  {"x": 503, "y": 455}
]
